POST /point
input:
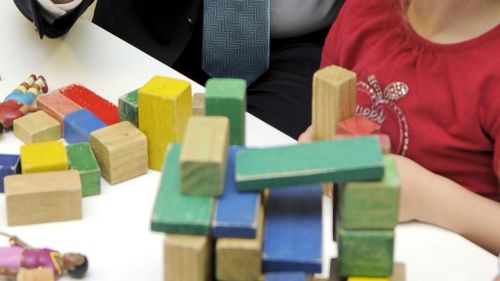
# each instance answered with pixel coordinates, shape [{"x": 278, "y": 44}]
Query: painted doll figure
[
  {"x": 21, "y": 100},
  {"x": 19, "y": 255}
]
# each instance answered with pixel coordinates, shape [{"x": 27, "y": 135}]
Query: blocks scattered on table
[
  {"x": 165, "y": 105},
  {"x": 187, "y": 258},
  {"x": 10, "y": 164},
  {"x": 127, "y": 107},
  {"x": 227, "y": 97},
  {"x": 121, "y": 151},
  {"x": 79, "y": 124},
  {"x": 198, "y": 104},
  {"x": 204, "y": 155},
  {"x": 43, "y": 197},
  {"x": 43, "y": 157},
  {"x": 37, "y": 127},
  {"x": 56, "y": 105},
  {"x": 82, "y": 158}
]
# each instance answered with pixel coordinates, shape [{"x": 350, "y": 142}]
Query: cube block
[
  {"x": 43, "y": 157},
  {"x": 37, "y": 127}
]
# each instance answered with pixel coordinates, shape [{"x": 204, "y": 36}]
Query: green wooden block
[
  {"x": 372, "y": 205},
  {"x": 175, "y": 212},
  {"x": 316, "y": 162},
  {"x": 82, "y": 158},
  {"x": 227, "y": 97},
  {"x": 365, "y": 252},
  {"x": 127, "y": 107}
]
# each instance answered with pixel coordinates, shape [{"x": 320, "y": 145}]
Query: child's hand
[{"x": 307, "y": 135}]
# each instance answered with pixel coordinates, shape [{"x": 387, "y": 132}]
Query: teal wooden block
[
  {"x": 365, "y": 252},
  {"x": 174, "y": 212},
  {"x": 127, "y": 107},
  {"x": 372, "y": 205},
  {"x": 316, "y": 162},
  {"x": 227, "y": 97},
  {"x": 82, "y": 158}
]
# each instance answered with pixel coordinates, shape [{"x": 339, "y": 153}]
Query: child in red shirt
[{"x": 429, "y": 73}]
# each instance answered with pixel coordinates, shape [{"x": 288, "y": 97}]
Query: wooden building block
[
  {"x": 204, "y": 155},
  {"x": 43, "y": 157},
  {"x": 236, "y": 212},
  {"x": 398, "y": 273},
  {"x": 187, "y": 258},
  {"x": 383, "y": 139},
  {"x": 365, "y": 252},
  {"x": 334, "y": 99},
  {"x": 175, "y": 212},
  {"x": 79, "y": 124},
  {"x": 372, "y": 204},
  {"x": 35, "y": 274},
  {"x": 100, "y": 107},
  {"x": 43, "y": 197},
  {"x": 227, "y": 97},
  {"x": 286, "y": 276},
  {"x": 164, "y": 108},
  {"x": 198, "y": 104},
  {"x": 82, "y": 158},
  {"x": 37, "y": 127},
  {"x": 316, "y": 162},
  {"x": 10, "y": 164},
  {"x": 357, "y": 125},
  {"x": 127, "y": 107},
  {"x": 121, "y": 151},
  {"x": 293, "y": 229},
  {"x": 239, "y": 259},
  {"x": 56, "y": 105}
]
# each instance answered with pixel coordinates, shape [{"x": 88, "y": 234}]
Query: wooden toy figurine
[
  {"x": 19, "y": 256},
  {"x": 21, "y": 100}
]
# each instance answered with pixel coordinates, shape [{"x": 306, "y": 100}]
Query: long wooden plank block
[
  {"x": 187, "y": 258},
  {"x": 175, "y": 212},
  {"x": 57, "y": 105},
  {"x": 293, "y": 229},
  {"x": 235, "y": 212},
  {"x": 316, "y": 162}
]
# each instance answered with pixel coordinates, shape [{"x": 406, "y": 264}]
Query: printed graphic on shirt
[{"x": 380, "y": 106}]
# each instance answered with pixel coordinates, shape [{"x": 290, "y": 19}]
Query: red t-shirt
[{"x": 440, "y": 103}]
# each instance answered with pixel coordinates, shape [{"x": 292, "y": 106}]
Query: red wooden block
[
  {"x": 56, "y": 105},
  {"x": 357, "y": 125},
  {"x": 102, "y": 108}
]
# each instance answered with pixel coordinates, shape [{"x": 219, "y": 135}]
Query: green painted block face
[
  {"x": 175, "y": 212},
  {"x": 366, "y": 252},
  {"x": 202, "y": 178},
  {"x": 127, "y": 107},
  {"x": 372, "y": 205},
  {"x": 227, "y": 97},
  {"x": 82, "y": 158}
]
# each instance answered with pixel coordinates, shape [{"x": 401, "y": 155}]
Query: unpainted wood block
[
  {"x": 82, "y": 158},
  {"x": 187, "y": 258},
  {"x": 56, "y": 105},
  {"x": 35, "y": 274},
  {"x": 79, "y": 124},
  {"x": 165, "y": 106},
  {"x": 100, "y": 107},
  {"x": 227, "y": 97},
  {"x": 127, "y": 107},
  {"x": 121, "y": 151},
  {"x": 239, "y": 259},
  {"x": 43, "y": 197},
  {"x": 306, "y": 163},
  {"x": 43, "y": 156},
  {"x": 174, "y": 212},
  {"x": 365, "y": 252},
  {"x": 334, "y": 99},
  {"x": 198, "y": 104},
  {"x": 37, "y": 127},
  {"x": 357, "y": 125},
  {"x": 204, "y": 155},
  {"x": 398, "y": 273},
  {"x": 10, "y": 164},
  {"x": 372, "y": 204}
]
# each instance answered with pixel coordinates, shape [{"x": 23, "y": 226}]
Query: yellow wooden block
[
  {"x": 43, "y": 157},
  {"x": 164, "y": 106},
  {"x": 334, "y": 99},
  {"x": 187, "y": 258},
  {"x": 37, "y": 127}
]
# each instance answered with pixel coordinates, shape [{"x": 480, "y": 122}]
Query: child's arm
[{"x": 431, "y": 198}]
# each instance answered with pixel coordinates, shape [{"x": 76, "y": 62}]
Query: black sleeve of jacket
[{"x": 32, "y": 10}]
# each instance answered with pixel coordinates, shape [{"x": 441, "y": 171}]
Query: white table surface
[{"x": 114, "y": 232}]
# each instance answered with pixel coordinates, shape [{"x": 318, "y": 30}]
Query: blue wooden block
[
  {"x": 79, "y": 124},
  {"x": 285, "y": 276},
  {"x": 9, "y": 165},
  {"x": 293, "y": 230},
  {"x": 235, "y": 211}
]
